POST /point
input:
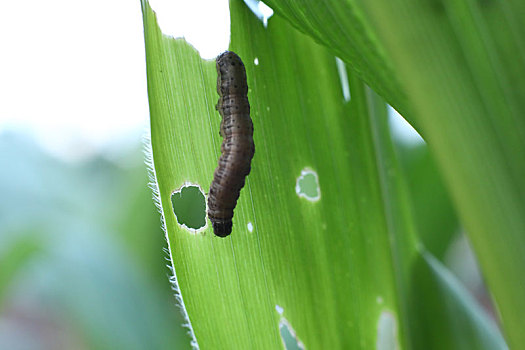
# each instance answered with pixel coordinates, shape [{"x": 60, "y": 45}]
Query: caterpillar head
[{"x": 222, "y": 228}]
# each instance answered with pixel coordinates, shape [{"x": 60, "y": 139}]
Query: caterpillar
[{"x": 237, "y": 147}]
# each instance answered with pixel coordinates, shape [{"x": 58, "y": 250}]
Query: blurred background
[{"x": 82, "y": 264}]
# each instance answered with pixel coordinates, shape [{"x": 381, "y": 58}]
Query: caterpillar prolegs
[{"x": 237, "y": 148}]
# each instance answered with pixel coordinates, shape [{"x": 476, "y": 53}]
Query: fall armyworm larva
[{"x": 237, "y": 148}]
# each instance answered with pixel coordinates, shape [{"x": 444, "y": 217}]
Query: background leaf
[{"x": 461, "y": 64}]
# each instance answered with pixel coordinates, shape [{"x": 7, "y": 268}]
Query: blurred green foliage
[
  {"x": 435, "y": 217},
  {"x": 81, "y": 254}
]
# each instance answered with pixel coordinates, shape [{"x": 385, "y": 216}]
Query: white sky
[
  {"x": 402, "y": 130},
  {"x": 73, "y": 75},
  {"x": 203, "y": 23}
]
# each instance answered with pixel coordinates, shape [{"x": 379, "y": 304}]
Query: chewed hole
[
  {"x": 288, "y": 336},
  {"x": 308, "y": 185},
  {"x": 387, "y": 338},
  {"x": 250, "y": 227},
  {"x": 343, "y": 78},
  {"x": 189, "y": 207}
]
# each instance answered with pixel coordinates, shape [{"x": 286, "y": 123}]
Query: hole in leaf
[
  {"x": 289, "y": 337},
  {"x": 343, "y": 77},
  {"x": 308, "y": 185},
  {"x": 387, "y": 332},
  {"x": 189, "y": 207}
]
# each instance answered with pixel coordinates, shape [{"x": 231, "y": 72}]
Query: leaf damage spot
[
  {"x": 189, "y": 207},
  {"x": 307, "y": 185},
  {"x": 250, "y": 227},
  {"x": 343, "y": 77},
  {"x": 289, "y": 337},
  {"x": 387, "y": 337}
]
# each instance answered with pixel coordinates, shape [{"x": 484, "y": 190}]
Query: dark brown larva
[{"x": 237, "y": 147}]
